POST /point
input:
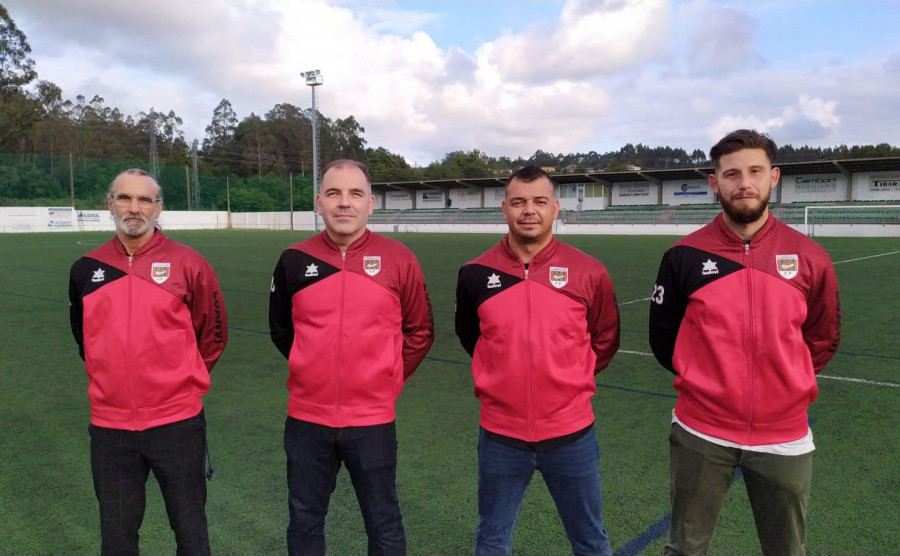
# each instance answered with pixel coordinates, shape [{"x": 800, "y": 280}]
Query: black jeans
[
  {"x": 314, "y": 456},
  {"x": 120, "y": 464}
]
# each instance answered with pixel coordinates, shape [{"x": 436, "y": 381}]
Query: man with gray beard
[{"x": 148, "y": 316}]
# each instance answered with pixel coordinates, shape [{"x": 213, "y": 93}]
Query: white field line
[
  {"x": 869, "y": 257},
  {"x": 844, "y": 378},
  {"x": 634, "y": 301},
  {"x": 848, "y": 379}
]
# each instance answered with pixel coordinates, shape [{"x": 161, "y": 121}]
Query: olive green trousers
[{"x": 700, "y": 475}]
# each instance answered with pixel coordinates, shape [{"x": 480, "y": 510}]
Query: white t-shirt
[{"x": 793, "y": 448}]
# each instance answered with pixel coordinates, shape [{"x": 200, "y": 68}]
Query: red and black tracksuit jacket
[
  {"x": 745, "y": 327},
  {"x": 150, "y": 327},
  {"x": 537, "y": 335},
  {"x": 354, "y": 326}
]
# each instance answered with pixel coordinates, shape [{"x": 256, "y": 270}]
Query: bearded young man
[
  {"x": 744, "y": 312},
  {"x": 149, "y": 319},
  {"x": 540, "y": 320}
]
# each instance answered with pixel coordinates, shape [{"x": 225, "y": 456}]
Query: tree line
[{"x": 50, "y": 146}]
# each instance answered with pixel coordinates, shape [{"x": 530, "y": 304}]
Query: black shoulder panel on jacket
[
  {"x": 302, "y": 270},
  {"x": 90, "y": 275},
  {"x": 484, "y": 282},
  {"x": 696, "y": 268}
]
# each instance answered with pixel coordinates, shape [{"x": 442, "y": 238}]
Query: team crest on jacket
[
  {"x": 559, "y": 276},
  {"x": 372, "y": 265},
  {"x": 160, "y": 272},
  {"x": 787, "y": 265}
]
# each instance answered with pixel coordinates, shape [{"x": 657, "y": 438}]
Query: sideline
[{"x": 864, "y": 258}]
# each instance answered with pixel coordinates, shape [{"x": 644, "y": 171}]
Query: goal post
[{"x": 849, "y": 214}]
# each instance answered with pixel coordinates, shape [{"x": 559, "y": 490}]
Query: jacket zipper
[
  {"x": 529, "y": 363},
  {"x": 130, "y": 374},
  {"x": 751, "y": 341},
  {"x": 337, "y": 366}
]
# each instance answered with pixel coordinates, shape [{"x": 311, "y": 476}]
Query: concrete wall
[{"x": 64, "y": 219}]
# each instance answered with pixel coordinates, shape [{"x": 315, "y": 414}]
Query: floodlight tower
[{"x": 314, "y": 79}]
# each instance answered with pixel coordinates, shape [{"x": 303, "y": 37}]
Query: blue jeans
[
  {"x": 572, "y": 475},
  {"x": 314, "y": 456}
]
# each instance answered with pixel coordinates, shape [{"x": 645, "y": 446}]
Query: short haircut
[
  {"x": 528, "y": 174},
  {"x": 741, "y": 139},
  {"x": 343, "y": 162},
  {"x": 135, "y": 172}
]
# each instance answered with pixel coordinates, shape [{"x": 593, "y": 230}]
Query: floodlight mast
[{"x": 313, "y": 80}]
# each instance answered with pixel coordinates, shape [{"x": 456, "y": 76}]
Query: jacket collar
[
  {"x": 357, "y": 244},
  {"x": 542, "y": 256},
  {"x": 724, "y": 233},
  {"x": 154, "y": 242}
]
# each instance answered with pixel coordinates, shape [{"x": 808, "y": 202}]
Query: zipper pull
[{"x": 746, "y": 248}]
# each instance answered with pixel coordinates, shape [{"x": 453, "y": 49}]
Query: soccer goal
[{"x": 849, "y": 214}]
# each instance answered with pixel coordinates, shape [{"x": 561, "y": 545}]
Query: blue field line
[{"x": 57, "y": 301}]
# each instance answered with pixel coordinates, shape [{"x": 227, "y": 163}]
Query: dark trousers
[
  {"x": 120, "y": 464},
  {"x": 701, "y": 472},
  {"x": 314, "y": 456}
]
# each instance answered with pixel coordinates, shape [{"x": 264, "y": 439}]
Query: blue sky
[{"x": 507, "y": 78}]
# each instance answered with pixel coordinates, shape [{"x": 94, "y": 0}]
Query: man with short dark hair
[
  {"x": 149, "y": 319},
  {"x": 744, "y": 312},
  {"x": 350, "y": 311},
  {"x": 540, "y": 320}
]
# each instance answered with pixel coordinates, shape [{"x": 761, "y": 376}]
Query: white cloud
[
  {"x": 604, "y": 73},
  {"x": 809, "y": 121},
  {"x": 591, "y": 38}
]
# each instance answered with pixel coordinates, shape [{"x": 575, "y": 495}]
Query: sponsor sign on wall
[
  {"x": 432, "y": 197},
  {"x": 692, "y": 189},
  {"x": 630, "y": 190},
  {"x": 89, "y": 216},
  {"x": 398, "y": 195},
  {"x": 815, "y": 184},
  {"x": 60, "y": 217},
  {"x": 884, "y": 182}
]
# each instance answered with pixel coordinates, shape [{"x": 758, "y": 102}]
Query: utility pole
[
  {"x": 313, "y": 80},
  {"x": 196, "y": 178},
  {"x": 154, "y": 153},
  {"x": 71, "y": 181}
]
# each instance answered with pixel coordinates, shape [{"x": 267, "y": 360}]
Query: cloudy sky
[{"x": 506, "y": 77}]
